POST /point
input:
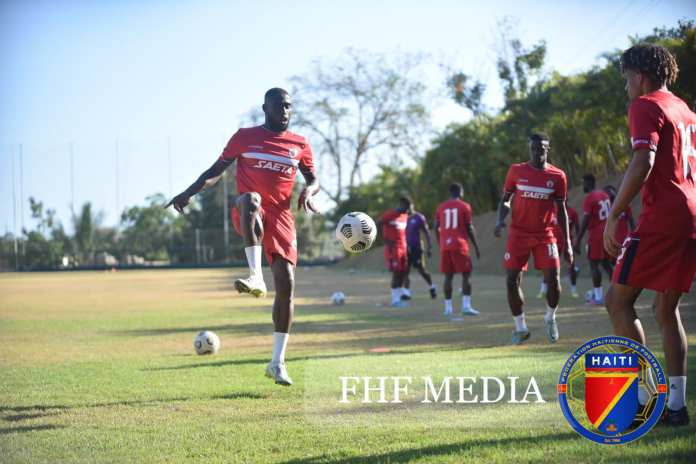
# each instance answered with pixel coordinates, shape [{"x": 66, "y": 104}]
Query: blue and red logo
[{"x": 598, "y": 390}]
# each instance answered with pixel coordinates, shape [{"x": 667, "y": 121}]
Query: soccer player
[
  {"x": 268, "y": 158},
  {"x": 539, "y": 190},
  {"x": 452, "y": 229},
  {"x": 595, "y": 209},
  {"x": 415, "y": 225},
  {"x": 625, "y": 224},
  {"x": 572, "y": 268},
  {"x": 393, "y": 226},
  {"x": 660, "y": 254}
]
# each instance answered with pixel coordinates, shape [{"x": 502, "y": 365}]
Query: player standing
[
  {"x": 539, "y": 190},
  {"x": 452, "y": 229},
  {"x": 661, "y": 253},
  {"x": 625, "y": 224},
  {"x": 268, "y": 158},
  {"x": 595, "y": 209},
  {"x": 393, "y": 226},
  {"x": 415, "y": 225}
]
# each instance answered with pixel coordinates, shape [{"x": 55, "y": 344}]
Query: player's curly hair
[{"x": 652, "y": 60}]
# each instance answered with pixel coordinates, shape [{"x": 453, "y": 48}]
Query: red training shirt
[
  {"x": 453, "y": 216},
  {"x": 394, "y": 227}
]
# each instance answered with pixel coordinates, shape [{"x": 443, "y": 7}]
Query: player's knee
[{"x": 252, "y": 201}]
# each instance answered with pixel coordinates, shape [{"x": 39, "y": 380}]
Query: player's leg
[
  {"x": 608, "y": 267},
  {"x": 426, "y": 276},
  {"x": 447, "y": 290},
  {"x": 251, "y": 227},
  {"x": 397, "y": 282},
  {"x": 597, "y": 291},
  {"x": 515, "y": 298},
  {"x": 406, "y": 288},
  {"x": 552, "y": 277},
  {"x": 543, "y": 288},
  {"x": 467, "y": 309},
  {"x": 573, "y": 275},
  {"x": 283, "y": 312},
  {"x": 620, "y": 303}
]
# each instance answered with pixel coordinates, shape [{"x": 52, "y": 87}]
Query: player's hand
[
  {"x": 568, "y": 254},
  {"x": 179, "y": 202},
  {"x": 611, "y": 245},
  {"x": 498, "y": 229},
  {"x": 478, "y": 255},
  {"x": 304, "y": 202}
]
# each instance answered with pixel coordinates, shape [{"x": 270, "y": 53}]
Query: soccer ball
[
  {"x": 338, "y": 299},
  {"x": 356, "y": 231},
  {"x": 206, "y": 342}
]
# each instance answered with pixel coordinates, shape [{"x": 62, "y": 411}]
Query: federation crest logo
[
  {"x": 292, "y": 152},
  {"x": 598, "y": 390},
  {"x": 549, "y": 184}
]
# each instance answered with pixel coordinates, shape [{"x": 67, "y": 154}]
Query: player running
[
  {"x": 539, "y": 190},
  {"x": 572, "y": 268},
  {"x": 625, "y": 225},
  {"x": 452, "y": 229},
  {"x": 268, "y": 158},
  {"x": 393, "y": 226},
  {"x": 416, "y": 225},
  {"x": 661, "y": 253},
  {"x": 595, "y": 209}
]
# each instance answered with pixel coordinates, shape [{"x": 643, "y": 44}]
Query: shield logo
[{"x": 611, "y": 391}]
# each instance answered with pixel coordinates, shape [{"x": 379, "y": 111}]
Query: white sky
[{"x": 142, "y": 72}]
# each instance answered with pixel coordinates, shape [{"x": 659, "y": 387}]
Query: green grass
[{"x": 99, "y": 367}]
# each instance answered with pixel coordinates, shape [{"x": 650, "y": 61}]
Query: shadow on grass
[
  {"x": 23, "y": 417},
  {"x": 29, "y": 428}
]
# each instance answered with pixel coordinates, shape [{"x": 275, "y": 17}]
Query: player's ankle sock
[
  {"x": 677, "y": 392},
  {"x": 544, "y": 288},
  {"x": 466, "y": 301},
  {"x": 253, "y": 254},
  {"x": 448, "y": 306},
  {"x": 280, "y": 341},
  {"x": 396, "y": 295},
  {"x": 405, "y": 291},
  {"x": 550, "y": 313},
  {"x": 520, "y": 323},
  {"x": 433, "y": 287},
  {"x": 598, "y": 293},
  {"x": 573, "y": 289}
]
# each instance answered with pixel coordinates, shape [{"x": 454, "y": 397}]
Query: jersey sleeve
[
  {"x": 307, "y": 159},
  {"x": 510, "y": 181},
  {"x": 645, "y": 119},
  {"x": 587, "y": 205},
  {"x": 562, "y": 187},
  {"x": 466, "y": 214},
  {"x": 233, "y": 148}
]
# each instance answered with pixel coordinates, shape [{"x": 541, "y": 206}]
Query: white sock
[
  {"x": 448, "y": 306},
  {"x": 573, "y": 289},
  {"x": 405, "y": 291},
  {"x": 598, "y": 293},
  {"x": 396, "y": 295},
  {"x": 280, "y": 341},
  {"x": 550, "y": 313},
  {"x": 466, "y": 301},
  {"x": 677, "y": 392},
  {"x": 253, "y": 254},
  {"x": 520, "y": 323},
  {"x": 433, "y": 286},
  {"x": 544, "y": 288}
]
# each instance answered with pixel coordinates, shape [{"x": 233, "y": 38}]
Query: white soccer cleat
[
  {"x": 279, "y": 373},
  {"x": 551, "y": 330},
  {"x": 470, "y": 312},
  {"x": 252, "y": 285}
]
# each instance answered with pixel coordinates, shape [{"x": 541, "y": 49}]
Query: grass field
[{"x": 99, "y": 367}]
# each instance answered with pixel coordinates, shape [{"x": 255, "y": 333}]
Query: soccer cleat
[
  {"x": 399, "y": 304},
  {"x": 405, "y": 297},
  {"x": 574, "y": 293},
  {"x": 470, "y": 312},
  {"x": 252, "y": 285},
  {"x": 520, "y": 336},
  {"x": 551, "y": 330},
  {"x": 541, "y": 294},
  {"x": 675, "y": 418},
  {"x": 433, "y": 293},
  {"x": 279, "y": 373}
]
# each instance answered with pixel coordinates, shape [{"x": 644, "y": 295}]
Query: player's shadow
[{"x": 29, "y": 428}]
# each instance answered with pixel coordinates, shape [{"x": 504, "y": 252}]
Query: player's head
[
  {"x": 611, "y": 191},
  {"x": 588, "y": 183},
  {"x": 456, "y": 190},
  {"x": 405, "y": 205},
  {"x": 646, "y": 68},
  {"x": 539, "y": 146},
  {"x": 277, "y": 106}
]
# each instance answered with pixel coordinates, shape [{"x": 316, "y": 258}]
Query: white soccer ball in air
[
  {"x": 206, "y": 342},
  {"x": 338, "y": 299},
  {"x": 356, "y": 231}
]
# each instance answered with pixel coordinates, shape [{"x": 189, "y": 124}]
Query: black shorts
[{"x": 415, "y": 256}]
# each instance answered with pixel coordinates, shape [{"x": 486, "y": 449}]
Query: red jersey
[
  {"x": 661, "y": 122},
  {"x": 453, "y": 216},
  {"x": 572, "y": 220},
  {"x": 596, "y": 205},
  {"x": 394, "y": 227},
  {"x": 536, "y": 191},
  {"x": 267, "y": 163}
]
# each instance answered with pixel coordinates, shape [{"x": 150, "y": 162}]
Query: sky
[{"x": 142, "y": 95}]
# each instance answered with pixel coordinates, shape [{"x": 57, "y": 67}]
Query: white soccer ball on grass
[
  {"x": 206, "y": 342},
  {"x": 356, "y": 231},
  {"x": 338, "y": 299}
]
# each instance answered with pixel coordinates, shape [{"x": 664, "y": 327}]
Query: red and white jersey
[
  {"x": 453, "y": 217},
  {"x": 596, "y": 206},
  {"x": 663, "y": 123},
  {"x": 394, "y": 227},
  {"x": 267, "y": 163},
  {"x": 536, "y": 191}
]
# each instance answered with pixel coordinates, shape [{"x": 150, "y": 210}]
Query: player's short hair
[
  {"x": 590, "y": 179},
  {"x": 274, "y": 92},
  {"x": 456, "y": 189},
  {"x": 538, "y": 137},
  {"x": 652, "y": 60},
  {"x": 406, "y": 200}
]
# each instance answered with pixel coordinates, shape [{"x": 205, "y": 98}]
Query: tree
[
  {"x": 359, "y": 111},
  {"x": 146, "y": 230}
]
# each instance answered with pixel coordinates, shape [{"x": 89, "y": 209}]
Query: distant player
[
  {"x": 625, "y": 224},
  {"x": 268, "y": 158},
  {"x": 573, "y": 227},
  {"x": 453, "y": 228},
  {"x": 393, "y": 226},
  {"x": 539, "y": 191},
  {"x": 661, "y": 253},
  {"x": 416, "y": 225},
  {"x": 595, "y": 209}
]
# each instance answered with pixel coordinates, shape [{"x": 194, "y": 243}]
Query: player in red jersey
[
  {"x": 393, "y": 226},
  {"x": 538, "y": 188},
  {"x": 268, "y": 158},
  {"x": 625, "y": 225},
  {"x": 595, "y": 209},
  {"x": 452, "y": 229},
  {"x": 661, "y": 253},
  {"x": 573, "y": 270}
]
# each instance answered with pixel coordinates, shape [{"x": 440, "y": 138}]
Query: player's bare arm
[
  {"x": 503, "y": 211},
  {"x": 204, "y": 181},
  {"x": 304, "y": 202},
  {"x": 426, "y": 231},
  {"x": 472, "y": 236},
  {"x": 637, "y": 173},
  {"x": 583, "y": 228},
  {"x": 563, "y": 222},
  {"x": 436, "y": 229}
]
